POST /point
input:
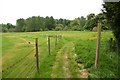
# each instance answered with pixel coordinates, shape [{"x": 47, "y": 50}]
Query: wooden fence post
[
  {"x": 37, "y": 59},
  {"x": 60, "y": 36},
  {"x": 55, "y": 41},
  {"x": 49, "y": 45},
  {"x": 98, "y": 45},
  {"x": 110, "y": 44}
]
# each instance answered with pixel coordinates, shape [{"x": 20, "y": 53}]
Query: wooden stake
[
  {"x": 37, "y": 59},
  {"x": 55, "y": 41},
  {"x": 110, "y": 43},
  {"x": 49, "y": 45},
  {"x": 98, "y": 45}
]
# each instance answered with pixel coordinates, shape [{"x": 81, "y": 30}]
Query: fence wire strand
[
  {"x": 45, "y": 42},
  {"x": 19, "y": 60}
]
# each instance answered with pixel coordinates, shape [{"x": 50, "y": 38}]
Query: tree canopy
[
  {"x": 38, "y": 23},
  {"x": 112, "y": 12}
]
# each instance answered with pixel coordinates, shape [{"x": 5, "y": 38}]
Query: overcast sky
[{"x": 11, "y": 10}]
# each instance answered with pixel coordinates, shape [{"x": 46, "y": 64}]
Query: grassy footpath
[{"x": 65, "y": 65}]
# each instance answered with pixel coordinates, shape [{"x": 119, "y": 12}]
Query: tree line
[{"x": 37, "y": 23}]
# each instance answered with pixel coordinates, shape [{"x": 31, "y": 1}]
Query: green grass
[
  {"x": 15, "y": 46},
  {"x": 85, "y": 50}
]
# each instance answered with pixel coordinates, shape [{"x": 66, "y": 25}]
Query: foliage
[
  {"x": 37, "y": 23},
  {"x": 19, "y": 25},
  {"x": 7, "y": 27},
  {"x": 49, "y": 23},
  {"x": 90, "y": 16},
  {"x": 85, "y": 49},
  {"x": 33, "y": 24},
  {"x": 90, "y": 24},
  {"x": 75, "y": 24},
  {"x": 82, "y": 21},
  {"x": 59, "y": 27},
  {"x": 92, "y": 21},
  {"x": 112, "y": 12}
]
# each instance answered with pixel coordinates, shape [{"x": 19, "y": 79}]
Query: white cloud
[{"x": 69, "y": 9}]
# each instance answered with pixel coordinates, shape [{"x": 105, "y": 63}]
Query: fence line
[{"x": 56, "y": 37}]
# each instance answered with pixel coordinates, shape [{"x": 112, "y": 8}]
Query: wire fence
[
  {"x": 31, "y": 51},
  {"x": 18, "y": 60}
]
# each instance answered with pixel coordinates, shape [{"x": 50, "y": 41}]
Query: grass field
[{"x": 73, "y": 57}]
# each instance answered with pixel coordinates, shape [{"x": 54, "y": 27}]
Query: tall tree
[
  {"x": 90, "y": 24},
  {"x": 41, "y": 23},
  {"x": 19, "y": 24},
  {"x": 82, "y": 21},
  {"x": 90, "y": 16},
  {"x": 49, "y": 23},
  {"x": 75, "y": 24},
  {"x": 112, "y": 12}
]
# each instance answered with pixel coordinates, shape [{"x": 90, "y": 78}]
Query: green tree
[
  {"x": 4, "y": 28},
  {"x": 59, "y": 27},
  {"x": 103, "y": 21},
  {"x": 41, "y": 23},
  {"x": 31, "y": 24},
  {"x": 7, "y": 27},
  {"x": 93, "y": 20},
  {"x": 90, "y": 16},
  {"x": 90, "y": 24},
  {"x": 112, "y": 12},
  {"x": 49, "y": 23},
  {"x": 19, "y": 25},
  {"x": 75, "y": 24},
  {"x": 82, "y": 21}
]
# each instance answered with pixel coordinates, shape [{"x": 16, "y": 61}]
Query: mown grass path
[{"x": 65, "y": 65}]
